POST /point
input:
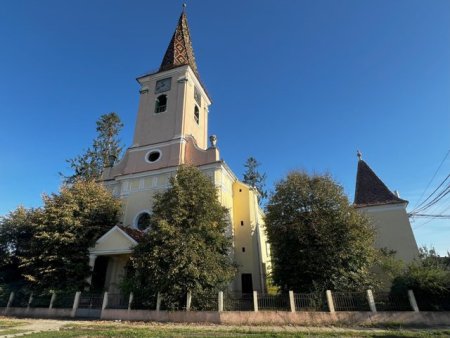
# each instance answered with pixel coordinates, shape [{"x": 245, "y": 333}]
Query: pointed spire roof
[
  {"x": 370, "y": 190},
  {"x": 180, "y": 51}
]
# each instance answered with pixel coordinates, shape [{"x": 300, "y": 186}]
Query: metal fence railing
[
  {"x": 143, "y": 302},
  {"x": 4, "y": 297},
  {"x": 117, "y": 301},
  {"x": 205, "y": 303},
  {"x": 310, "y": 302},
  {"x": 21, "y": 299},
  {"x": 350, "y": 301},
  {"x": 386, "y": 301},
  {"x": 236, "y": 302},
  {"x": 433, "y": 302},
  {"x": 318, "y": 301},
  {"x": 274, "y": 302},
  {"x": 90, "y": 301},
  {"x": 41, "y": 300},
  {"x": 64, "y": 300}
]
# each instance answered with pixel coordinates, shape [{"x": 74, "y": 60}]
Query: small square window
[
  {"x": 243, "y": 249},
  {"x": 242, "y": 223}
]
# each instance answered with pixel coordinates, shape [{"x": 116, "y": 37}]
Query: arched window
[
  {"x": 197, "y": 115},
  {"x": 143, "y": 221},
  {"x": 161, "y": 104}
]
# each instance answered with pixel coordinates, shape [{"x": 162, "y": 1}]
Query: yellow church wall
[
  {"x": 162, "y": 125},
  {"x": 190, "y": 127},
  {"x": 178, "y": 137},
  {"x": 173, "y": 122},
  {"x": 393, "y": 230},
  {"x": 115, "y": 272},
  {"x": 115, "y": 242},
  {"x": 247, "y": 234}
]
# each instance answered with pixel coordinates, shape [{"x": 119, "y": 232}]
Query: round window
[
  {"x": 143, "y": 221},
  {"x": 153, "y": 156}
]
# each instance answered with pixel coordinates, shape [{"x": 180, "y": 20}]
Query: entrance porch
[{"x": 109, "y": 256}]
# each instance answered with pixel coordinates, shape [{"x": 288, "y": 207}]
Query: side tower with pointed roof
[
  {"x": 172, "y": 129},
  {"x": 387, "y": 212}
]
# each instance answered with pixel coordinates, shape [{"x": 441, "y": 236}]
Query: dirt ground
[{"x": 29, "y": 326}]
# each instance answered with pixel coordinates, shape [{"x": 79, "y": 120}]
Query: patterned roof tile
[
  {"x": 180, "y": 51},
  {"x": 370, "y": 190}
]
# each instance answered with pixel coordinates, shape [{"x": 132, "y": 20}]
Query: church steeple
[
  {"x": 370, "y": 189},
  {"x": 180, "y": 51}
]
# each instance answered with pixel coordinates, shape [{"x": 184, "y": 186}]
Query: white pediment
[{"x": 115, "y": 241}]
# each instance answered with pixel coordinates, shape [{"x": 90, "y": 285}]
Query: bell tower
[
  {"x": 173, "y": 102},
  {"x": 172, "y": 120}
]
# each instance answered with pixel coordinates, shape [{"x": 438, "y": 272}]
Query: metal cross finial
[
  {"x": 359, "y": 154},
  {"x": 184, "y": 6}
]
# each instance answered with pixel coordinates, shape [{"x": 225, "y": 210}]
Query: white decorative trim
[
  {"x": 161, "y": 144},
  {"x": 116, "y": 228},
  {"x": 135, "y": 219},
  {"x": 153, "y": 151},
  {"x": 110, "y": 252},
  {"x": 150, "y": 173},
  {"x": 383, "y": 207}
]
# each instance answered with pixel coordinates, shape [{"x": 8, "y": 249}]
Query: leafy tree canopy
[
  {"x": 318, "y": 240},
  {"x": 186, "y": 247},
  {"x": 428, "y": 276},
  {"x": 50, "y": 245},
  {"x": 16, "y": 231},
  {"x": 254, "y": 178},
  {"x": 90, "y": 164}
]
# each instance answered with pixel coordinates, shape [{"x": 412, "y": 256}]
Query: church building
[
  {"x": 171, "y": 130},
  {"x": 387, "y": 212}
]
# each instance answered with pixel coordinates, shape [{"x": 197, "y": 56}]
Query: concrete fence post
[
  {"x": 130, "y": 300},
  {"x": 255, "y": 301},
  {"x": 52, "y": 300},
  {"x": 412, "y": 301},
  {"x": 76, "y": 302},
  {"x": 220, "y": 301},
  {"x": 105, "y": 300},
  {"x": 158, "y": 301},
  {"x": 371, "y": 301},
  {"x": 10, "y": 301},
  {"x": 29, "y": 301},
  {"x": 330, "y": 301},
  {"x": 292, "y": 301},
  {"x": 188, "y": 301}
]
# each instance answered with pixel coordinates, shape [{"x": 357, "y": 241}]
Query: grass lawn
[
  {"x": 169, "y": 330},
  {"x": 5, "y": 323},
  {"x": 10, "y": 327}
]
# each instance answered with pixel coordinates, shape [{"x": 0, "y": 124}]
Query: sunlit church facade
[{"x": 171, "y": 130}]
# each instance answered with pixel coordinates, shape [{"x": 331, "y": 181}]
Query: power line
[
  {"x": 432, "y": 178},
  {"x": 421, "y": 205},
  {"x": 435, "y": 200},
  {"x": 432, "y": 216}
]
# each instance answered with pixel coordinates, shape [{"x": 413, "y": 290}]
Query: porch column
[{"x": 92, "y": 258}]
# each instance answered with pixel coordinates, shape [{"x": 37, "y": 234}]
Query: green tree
[
  {"x": 16, "y": 231},
  {"x": 386, "y": 267},
  {"x": 428, "y": 276},
  {"x": 68, "y": 224},
  {"x": 106, "y": 145},
  {"x": 254, "y": 178},
  {"x": 186, "y": 247},
  {"x": 318, "y": 240}
]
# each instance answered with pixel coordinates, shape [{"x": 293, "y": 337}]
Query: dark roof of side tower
[
  {"x": 180, "y": 51},
  {"x": 370, "y": 190}
]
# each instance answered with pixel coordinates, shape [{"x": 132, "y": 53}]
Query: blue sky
[{"x": 297, "y": 84}]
